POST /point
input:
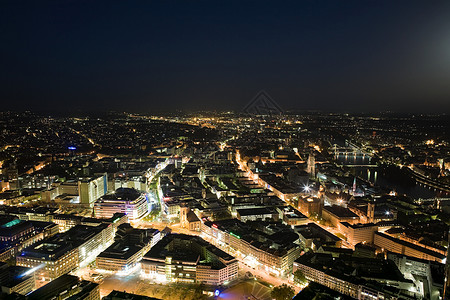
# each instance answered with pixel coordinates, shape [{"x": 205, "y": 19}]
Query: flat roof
[
  {"x": 340, "y": 212},
  {"x": 412, "y": 246}
]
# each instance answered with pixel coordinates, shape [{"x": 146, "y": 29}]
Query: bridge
[
  {"x": 432, "y": 200},
  {"x": 351, "y": 152},
  {"x": 429, "y": 182}
]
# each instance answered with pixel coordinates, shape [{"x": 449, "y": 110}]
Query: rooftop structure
[
  {"x": 179, "y": 257},
  {"x": 124, "y": 200}
]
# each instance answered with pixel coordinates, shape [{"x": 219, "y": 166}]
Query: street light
[{"x": 307, "y": 188}]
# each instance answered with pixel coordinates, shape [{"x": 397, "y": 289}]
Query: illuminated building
[
  {"x": 83, "y": 191},
  {"x": 65, "y": 221},
  {"x": 17, "y": 234},
  {"x": 185, "y": 258},
  {"x": 67, "y": 287},
  {"x": 273, "y": 256},
  {"x": 124, "y": 200},
  {"x": 67, "y": 251},
  {"x": 253, "y": 214},
  {"x": 279, "y": 187},
  {"x": 425, "y": 273},
  {"x": 336, "y": 214},
  {"x": 310, "y": 206},
  {"x": 129, "y": 247},
  {"x": 90, "y": 189},
  {"x": 39, "y": 213},
  {"x": 392, "y": 244},
  {"x": 50, "y": 259},
  {"x": 359, "y": 278},
  {"x": 358, "y": 233},
  {"x": 313, "y": 236},
  {"x": 15, "y": 279},
  {"x": 119, "y": 257},
  {"x": 13, "y": 230},
  {"x": 293, "y": 217},
  {"x": 188, "y": 219}
]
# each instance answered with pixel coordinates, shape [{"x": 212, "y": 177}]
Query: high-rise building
[{"x": 90, "y": 189}]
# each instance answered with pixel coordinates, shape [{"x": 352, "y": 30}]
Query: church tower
[{"x": 311, "y": 167}]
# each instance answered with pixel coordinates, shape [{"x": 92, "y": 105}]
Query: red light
[{"x": 214, "y": 225}]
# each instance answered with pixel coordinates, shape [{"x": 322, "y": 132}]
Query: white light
[{"x": 32, "y": 270}]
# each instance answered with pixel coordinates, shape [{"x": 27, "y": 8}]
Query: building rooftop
[
  {"x": 124, "y": 194},
  {"x": 54, "y": 288},
  {"x": 117, "y": 295},
  {"x": 254, "y": 211},
  {"x": 340, "y": 212},
  {"x": 120, "y": 250},
  {"x": 412, "y": 246},
  {"x": 186, "y": 248}
]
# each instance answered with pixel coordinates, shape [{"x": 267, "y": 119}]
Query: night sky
[{"x": 153, "y": 56}]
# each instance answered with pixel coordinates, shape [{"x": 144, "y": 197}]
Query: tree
[
  {"x": 282, "y": 292},
  {"x": 197, "y": 291},
  {"x": 299, "y": 277}
]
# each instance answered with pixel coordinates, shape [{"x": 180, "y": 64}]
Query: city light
[
  {"x": 32, "y": 270},
  {"x": 248, "y": 197}
]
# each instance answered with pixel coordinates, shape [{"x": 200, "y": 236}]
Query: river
[{"x": 388, "y": 178}]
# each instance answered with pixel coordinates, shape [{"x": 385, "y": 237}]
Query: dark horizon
[{"x": 147, "y": 56}]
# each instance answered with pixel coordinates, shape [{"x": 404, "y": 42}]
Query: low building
[
  {"x": 119, "y": 257},
  {"x": 253, "y": 214},
  {"x": 65, "y": 222},
  {"x": 15, "y": 279},
  {"x": 427, "y": 274},
  {"x": 16, "y": 234},
  {"x": 359, "y": 278},
  {"x": 291, "y": 216},
  {"x": 124, "y": 200},
  {"x": 389, "y": 243},
  {"x": 185, "y": 258},
  {"x": 336, "y": 214},
  {"x": 358, "y": 233},
  {"x": 67, "y": 251},
  {"x": 39, "y": 213},
  {"x": 310, "y": 206},
  {"x": 313, "y": 236},
  {"x": 279, "y": 187},
  {"x": 67, "y": 287},
  {"x": 274, "y": 253},
  {"x": 128, "y": 249}
]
